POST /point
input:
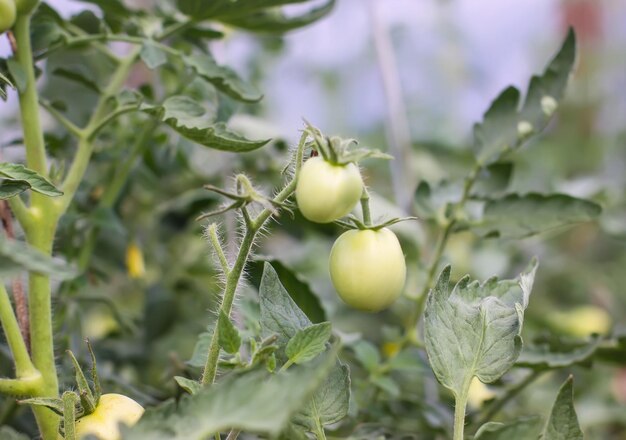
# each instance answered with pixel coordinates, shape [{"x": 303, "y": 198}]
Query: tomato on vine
[
  {"x": 7, "y": 15},
  {"x": 367, "y": 268},
  {"x": 326, "y": 192},
  {"x": 111, "y": 410}
]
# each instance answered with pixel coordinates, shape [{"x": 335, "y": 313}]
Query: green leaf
[
  {"x": 330, "y": 402},
  {"x": 11, "y": 188},
  {"x": 517, "y": 216},
  {"x": 550, "y": 356},
  {"x": 433, "y": 201},
  {"x": 227, "y": 334},
  {"x": 223, "y": 78},
  {"x": 387, "y": 384},
  {"x": 276, "y": 21},
  {"x": 13, "y": 172},
  {"x": 527, "y": 428},
  {"x": 563, "y": 421},
  {"x": 4, "y": 82},
  {"x": 152, "y": 55},
  {"x": 298, "y": 288},
  {"x": 201, "y": 9},
  {"x": 367, "y": 354},
  {"x": 253, "y": 401},
  {"x": 18, "y": 75},
  {"x": 308, "y": 342},
  {"x": 474, "y": 331},
  {"x": 493, "y": 179},
  {"x": 8, "y": 433},
  {"x": 279, "y": 313},
  {"x": 17, "y": 256},
  {"x": 201, "y": 350},
  {"x": 196, "y": 123},
  {"x": 505, "y": 128},
  {"x": 191, "y": 386}
]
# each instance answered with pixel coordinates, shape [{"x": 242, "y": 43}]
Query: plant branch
[
  {"x": 24, "y": 386},
  {"x": 69, "y": 125},
  {"x": 496, "y": 406},
  {"x": 459, "y": 415},
  {"x": 233, "y": 276},
  {"x": 232, "y": 435},
  {"x": 108, "y": 118},
  {"x": 20, "y": 210},
  {"x": 23, "y": 363},
  {"x": 217, "y": 247},
  {"x": 365, "y": 207}
]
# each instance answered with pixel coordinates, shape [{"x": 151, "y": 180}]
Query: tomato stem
[{"x": 365, "y": 207}]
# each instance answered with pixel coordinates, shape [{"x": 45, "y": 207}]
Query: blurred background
[{"x": 408, "y": 77}]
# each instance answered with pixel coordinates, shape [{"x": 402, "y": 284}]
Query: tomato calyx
[
  {"x": 352, "y": 222},
  {"x": 339, "y": 151}
]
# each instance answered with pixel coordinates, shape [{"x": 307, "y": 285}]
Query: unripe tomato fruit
[
  {"x": 368, "y": 269},
  {"x": 7, "y": 15},
  {"x": 103, "y": 422},
  {"x": 326, "y": 192}
]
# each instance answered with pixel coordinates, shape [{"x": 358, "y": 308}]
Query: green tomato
[
  {"x": 326, "y": 192},
  {"x": 368, "y": 269},
  {"x": 7, "y": 15},
  {"x": 103, "y": 422}
]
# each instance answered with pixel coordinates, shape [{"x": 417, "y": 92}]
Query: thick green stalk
[{"x": 23, "y": 364}]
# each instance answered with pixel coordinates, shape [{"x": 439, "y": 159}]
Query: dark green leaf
[
  {"x": 8, "y": 433},
  {"x": 517, "y": 216},
  {"x": 527, "y": 428},
  {"x": 253, "y": 401},
  {"x": 78, "y": 74},
  {"x": 474, "y": 330},
  {"x": 196, "y": 123},
  {"x": 21, "y": 175},
  {"x": 367, "y": 354},
  {"x": 228, "y": 335},
  {"x": 11, "y": 188},
  {"x": 563, "y": 421},
  {"x": 494, "y": 179},
  {"x": 223, "y": 78},
  {"x": 505, "y": 128},
  {"x": 201, "y": 350},
  {"x": 18, "y": 75},
  {"x": 308, "y": 342}
]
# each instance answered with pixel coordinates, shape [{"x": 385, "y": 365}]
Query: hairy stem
[
  {"x": 23, "y": 364},
  {"x": 459, "y": 415},
  {"x": 365, "y": 207},
  {"x": 234, "y": 274}
]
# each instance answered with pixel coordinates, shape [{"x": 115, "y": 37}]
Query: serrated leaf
[
  {"x": 196, "y": 123},
  {"x": 191, "y": 386},
  {"x": 152, "y": 55},
  {"x": 21, "y": 175},
  {"x": 308, "y": 342},
  {"x": 279, "y": 313},
  {"x": 563, "y": 421},
  {"x": 518, "y": 216},
  {"x": 474, "y": 330},
  {"x": 254, "y": 401},
  {"x": 298, "y": 288},
  {"x": 527, "y": 428},
  {"x": 506, "y": 126},
  {"x": 331, "y": 400},
  {"x": 227, "y": 334},
  {"x": 546, "y": 356},
  {"x": 17, "y": 256},
  {"x": 223, "y": 78}
]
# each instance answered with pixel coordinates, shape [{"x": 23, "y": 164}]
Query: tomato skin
[
  {"x": 111, "y": 410},
  {"x": 368, "y": 268},
  {"x": 327, "y": 192},
  {"x": 7, "y": 15}
]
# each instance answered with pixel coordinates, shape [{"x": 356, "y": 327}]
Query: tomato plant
[
  {"x": 368, "y": 269},
  {"x": 150, "y": 184}
]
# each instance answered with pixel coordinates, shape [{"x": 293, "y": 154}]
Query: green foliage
[
  {"x": 308, "y": 342},
  {"x": 17, "y": 256},
  {"x": 16, "y": 178},
  {"x": 474, "y": 330}
]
